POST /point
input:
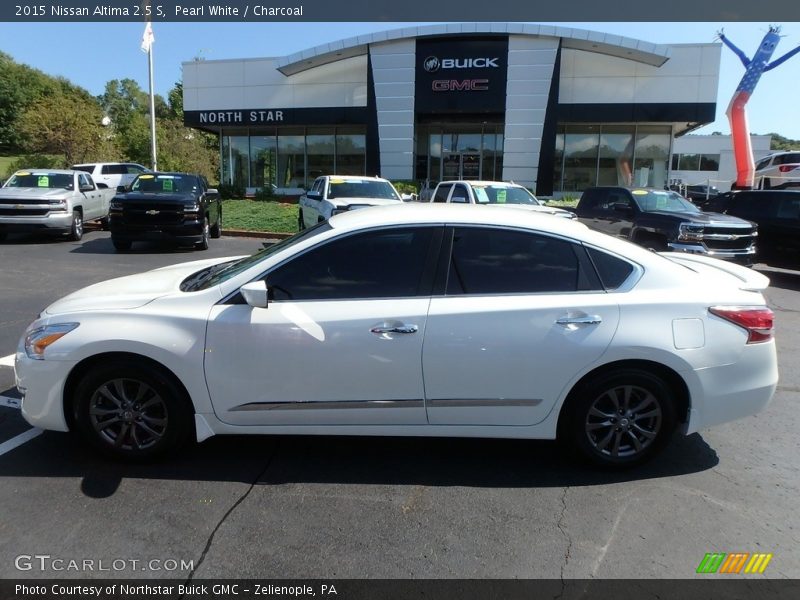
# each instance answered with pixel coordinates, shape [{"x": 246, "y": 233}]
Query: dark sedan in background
[{"x": 176, "y": 206}]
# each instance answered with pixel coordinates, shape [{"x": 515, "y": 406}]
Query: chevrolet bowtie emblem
[{"x": 152, "y": 212}]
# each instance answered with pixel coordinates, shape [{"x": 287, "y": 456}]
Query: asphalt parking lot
[{"x": 303, "y": 507}]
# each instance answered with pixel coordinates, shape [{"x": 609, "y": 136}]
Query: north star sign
[{"x": 213, "y": 117}]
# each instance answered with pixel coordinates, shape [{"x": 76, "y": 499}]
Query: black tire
[
  {"x": 121, "y": 244},
  {"x": 766, "y": 184},
  {"x": 592, "y": 424},
  {"x": 76, "y": 227},
  {"x": 301, "y": 224},
  {"x": 131, "y": 411},
  {"x": 203, "y": 243},
  {"x": 216, "y": 228}
]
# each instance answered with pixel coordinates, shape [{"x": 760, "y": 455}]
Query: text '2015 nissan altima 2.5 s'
[{"x": 420, "y": 321}]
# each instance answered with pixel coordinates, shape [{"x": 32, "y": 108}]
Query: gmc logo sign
[{"x": 456, "y": 85}]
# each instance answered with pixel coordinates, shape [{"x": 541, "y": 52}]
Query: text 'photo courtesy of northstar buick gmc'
[{"x": 419, "y": 320}]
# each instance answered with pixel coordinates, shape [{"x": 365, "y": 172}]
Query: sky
[{"x": 90, "y": 54}]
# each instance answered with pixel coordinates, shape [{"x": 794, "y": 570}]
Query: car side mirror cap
[
  {"x": 255, "y": 293},
  {"x": 212, "y": 191},
  {"x": 313, "y": 195},
  {"x": 121, "y": 189}
]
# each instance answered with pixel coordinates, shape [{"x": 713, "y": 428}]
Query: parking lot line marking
[
  {"x": 7, "y": 361},
  {"x": 9, "y": 402},
  {"x": 17, "y": 441}
]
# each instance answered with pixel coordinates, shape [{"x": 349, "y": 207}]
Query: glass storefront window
[
  {"x": 558, "y": 160},
  {"x": 351, "y": 152},
  {"x": 615, "y": 161},
  {"x": 235, "y": 160},
  {"x": 580, "y": 157},
  {"x": 263, "y": 160},
  {"x": 291, "y": 159},
  {"x": 651, "y": 155},
  {"x": 320, "y": 153}
]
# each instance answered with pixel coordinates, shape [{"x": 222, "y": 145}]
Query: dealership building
[{"x": 556, "y": 109}]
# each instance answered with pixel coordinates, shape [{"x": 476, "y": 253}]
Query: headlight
[
  {"x": 191, "y": 208},
  {"x": 57, "y": 205},
  {"x": 37, "y": 341},
  {"x": 690, "y": 232}
]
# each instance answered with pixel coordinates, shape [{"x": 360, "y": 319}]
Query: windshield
[
  {"x": 361, "y": 188},
  {"x": 503, "y": 194},
  {"x": 41, "y": 179},
  {"x": 666, "y": 201},
  {"x": 216, "y": 274},
  {"x": 164, "y": 184}
]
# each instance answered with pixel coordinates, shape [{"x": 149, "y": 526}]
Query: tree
[
  {"x": 69, "y": 125},
  {"x": 782, "y": 143},
  {"x": 183, "y": 149}
]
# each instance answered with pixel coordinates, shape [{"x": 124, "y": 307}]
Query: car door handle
[
  {"x": 585, "y": 320},
  {"x": 394, "y": 328}
]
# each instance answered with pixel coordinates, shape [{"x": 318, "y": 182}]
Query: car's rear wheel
[
  {"x": 76, "y": 227},
  {"x": 132, "y": 411},
  {"x": 120, "y": 244},
  {"x": 203, "y": 243},
  {"x": 619, "y": 419}
]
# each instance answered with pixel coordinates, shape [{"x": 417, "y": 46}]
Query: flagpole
[{"x": 152, "y": 109}]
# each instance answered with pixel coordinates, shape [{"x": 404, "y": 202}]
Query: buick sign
[{"x": 431, "y": 64}]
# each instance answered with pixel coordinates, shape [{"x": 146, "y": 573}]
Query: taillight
[
  {"x": 757, "y": 320},
  {"x": 786, "y": 168}
]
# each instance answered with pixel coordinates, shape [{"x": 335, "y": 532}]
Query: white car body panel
[{"x": 501, "y": 348}]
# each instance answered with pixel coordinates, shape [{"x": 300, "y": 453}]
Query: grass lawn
[{"x": 252, "y": 215}]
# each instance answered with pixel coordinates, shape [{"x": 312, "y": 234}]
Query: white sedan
[{"x": 418, "y": 320}]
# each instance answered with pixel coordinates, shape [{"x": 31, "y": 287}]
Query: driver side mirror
[
  {"x": 86, "y": 188},
  {"x": 313, "y": 195},
  {"x": 255, "y": 293}
]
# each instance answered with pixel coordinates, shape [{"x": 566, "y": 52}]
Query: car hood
[
  {"x": 131, "y": 291},
  {"x": 703, "y": 218},
  {"x": 342, "y": 202},
  {"x": 34, "y": 193}
]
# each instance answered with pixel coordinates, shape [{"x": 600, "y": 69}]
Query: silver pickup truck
[{"x": 51, "y": 200}]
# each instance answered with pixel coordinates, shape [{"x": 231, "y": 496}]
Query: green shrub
[
  {"x": 229, "y": 191},
  {"x": 406, "y": 187},
  {"x": 265, "y": 194}
]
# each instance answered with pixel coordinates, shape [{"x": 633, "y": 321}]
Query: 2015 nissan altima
[{"x": 410, "y": 320}]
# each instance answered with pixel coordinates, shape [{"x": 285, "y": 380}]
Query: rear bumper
[{"x": 736, "y": 390}]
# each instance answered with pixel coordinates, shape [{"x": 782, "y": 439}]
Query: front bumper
[
  {"x": 743, "y": 257},
  {"x": 41, "y": 383},
  {"x": 55, "y": 221},
  {"x": 190, "y": 230}
]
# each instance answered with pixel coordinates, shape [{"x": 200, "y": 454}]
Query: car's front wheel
[
  {"x": 204, "y": 237},
  {"x": 120, "y": 244},
  {"x": 619, "y": 419},
  {"x": 132, "y": 411},
  {"x": 76, "y": 228}
]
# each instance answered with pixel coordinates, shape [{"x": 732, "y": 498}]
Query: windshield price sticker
[
  {"x": 43, "y": 181},
  {"x": 167, "y": 185}
]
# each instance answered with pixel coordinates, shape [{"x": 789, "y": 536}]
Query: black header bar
[{"x": 273, "y": 11}]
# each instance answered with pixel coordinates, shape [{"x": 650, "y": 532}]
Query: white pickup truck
[{"x": 52, "y": 200}]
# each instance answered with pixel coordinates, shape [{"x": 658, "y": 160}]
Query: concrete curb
[{"x": 272, "y": 235}]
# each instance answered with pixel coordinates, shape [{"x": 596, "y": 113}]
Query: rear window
[
  {"x": 786, "y": 159},
  {"x": 613, "y": 271},
  {"x": 114, "y": 170}
]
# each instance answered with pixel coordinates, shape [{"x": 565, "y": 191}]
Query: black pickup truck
[
  {"x": 177, "y": 206},
  {"x": 663, "y": 220}
]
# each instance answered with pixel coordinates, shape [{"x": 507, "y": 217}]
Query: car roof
[
  {"x": 56, "y": 171},
  {"x": 483, "y": 182},
  {"x": 355, "y": 177},
  {"x": 424, "y": 213}
]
